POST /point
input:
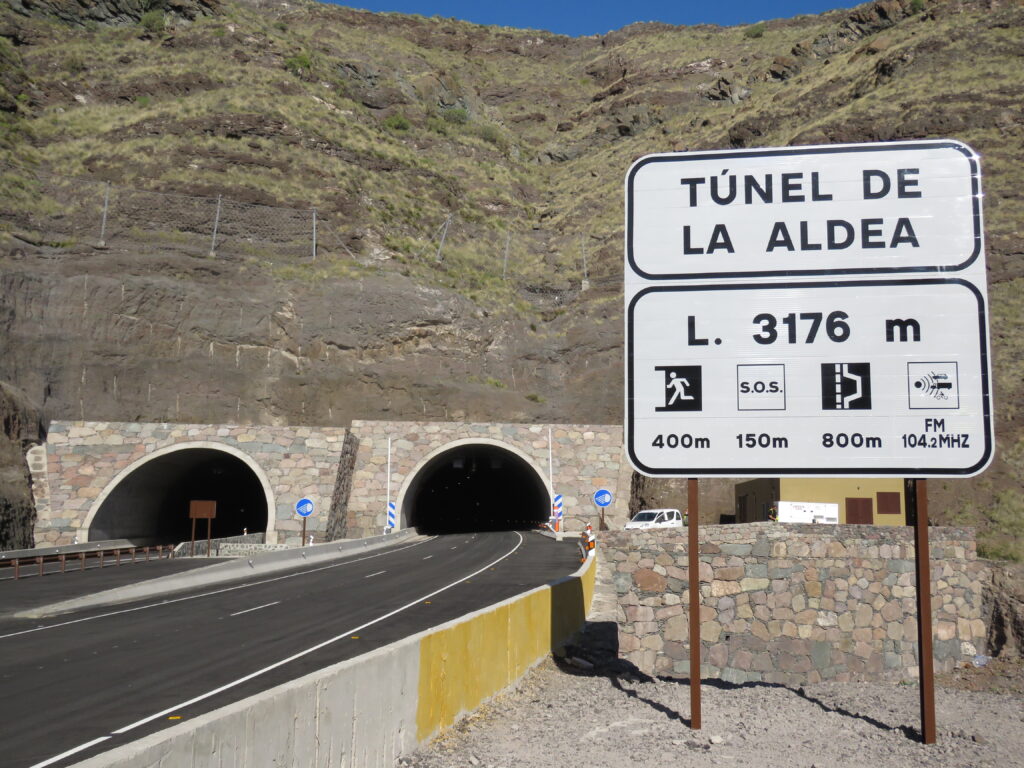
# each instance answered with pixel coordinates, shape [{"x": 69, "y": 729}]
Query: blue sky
[{"x": 573, "y": 17}]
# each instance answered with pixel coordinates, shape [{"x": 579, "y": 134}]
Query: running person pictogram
[
  {"x": 682, "y": 387},
  {"x": 679, "y": 384}
]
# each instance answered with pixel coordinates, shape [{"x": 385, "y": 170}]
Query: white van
[
  {"x": 808, "y": 512},
  {"x": 656, "y": 518}
]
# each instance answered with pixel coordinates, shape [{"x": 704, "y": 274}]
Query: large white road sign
[
  {"x": 843, "y": 209},
  {"x": 810, "y": 310},
  {"x": 865, "y": 377}
]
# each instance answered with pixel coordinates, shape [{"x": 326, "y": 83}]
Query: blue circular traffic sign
[
  {"x": 603, "y": 498},
  {"x": 304, "y": 507}
]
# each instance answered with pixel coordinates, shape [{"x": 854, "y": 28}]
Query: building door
[{"x": 859, "y": 512}]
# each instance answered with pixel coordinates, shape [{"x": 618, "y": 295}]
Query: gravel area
[{"x": 560, "y": 715}]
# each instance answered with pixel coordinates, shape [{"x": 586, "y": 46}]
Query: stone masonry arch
[
  {"x": 124, "y": 474},
  {"x": 570, "y": 460},
  {"x": 414, "y": 478}
]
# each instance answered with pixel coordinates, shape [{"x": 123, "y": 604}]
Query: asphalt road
[
  {"x": 35, "y": 591},
  {"x": 108, "y": 676}
]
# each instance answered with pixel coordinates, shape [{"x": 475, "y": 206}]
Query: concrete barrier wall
[
  {"x": 464, "y": 663},
  {"x": 370, "y": 710}
]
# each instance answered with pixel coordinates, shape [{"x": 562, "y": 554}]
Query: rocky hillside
[
  {"x": 19, "y": 429},
  {"x": 467, "y": 183}
]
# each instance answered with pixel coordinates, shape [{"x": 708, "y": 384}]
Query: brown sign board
[{"x": 202, "y": 509}]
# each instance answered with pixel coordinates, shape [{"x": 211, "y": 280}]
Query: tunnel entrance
[
  {"x": 151, "y": 503},
  {"x": 476, "y": 487}
]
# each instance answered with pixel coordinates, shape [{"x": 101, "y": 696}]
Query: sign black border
[
  {"x": 683, "y": 157},
  {"x": 830, "y": 472}
]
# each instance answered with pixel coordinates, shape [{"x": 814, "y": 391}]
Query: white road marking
[
  {"x": 428, "y": 557},
  {"x": 208, "y": 594},
  {"x": 312, "y": 649},
  {"x": 249, "y": 610},
  {"x": 378, "y": 573},
  {"x": 79, "y": 748}
]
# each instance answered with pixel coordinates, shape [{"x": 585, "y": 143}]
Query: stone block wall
[
  {"x": 83, "y": 460},
  {"x": 794, "y": 604},
  {"x": 585, "y": 458}
]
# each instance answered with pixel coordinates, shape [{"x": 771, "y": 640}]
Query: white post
[
  {"x": 103, "y": 222},
  {"x": 216, "y": 225},
  {"x": 314, "y": 234},
  {"x": 388, "y": 501},
  {"x": 551, "y": 477},
  {"x": 504, "y": 266},
  {"x": 444, "y": 234},
  {"x": 583, "y": 250},
  {"x": 585, "y": 283},
  {"x": 551, "y": 471}
]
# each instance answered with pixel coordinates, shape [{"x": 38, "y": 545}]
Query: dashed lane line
[
  {"x": 275, "y": 665},
  {"x": 258, "y": 607},
  {"x": 208, "y": 594}
]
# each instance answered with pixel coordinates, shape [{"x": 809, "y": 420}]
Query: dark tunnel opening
[
  {"x": 152, "y": 503},
  {"x": 476, "y": 487}
]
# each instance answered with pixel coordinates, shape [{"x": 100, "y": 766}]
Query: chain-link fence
[{"x": 57, "y": 210}]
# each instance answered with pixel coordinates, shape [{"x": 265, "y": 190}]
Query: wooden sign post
[
  {"x": 198, "y": 510},
  {"x": 693, "y": 567},
  {"x": 926, "y": 663}
]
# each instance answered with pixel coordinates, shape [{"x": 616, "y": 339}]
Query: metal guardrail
[{"x": 81, "y": 556}]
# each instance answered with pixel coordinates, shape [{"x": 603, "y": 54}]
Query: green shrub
[
  {"x": 916, "y": 6},
  {"x": 437, "y": 125},
  {"x": 396, "y": 123},
  {"x": 153, "y": 21},
  {"x": 490, "y": 134},
  {"x": 74, "y": 64},
  {"x": 535, "y": 398},
  {"x": 755, "y": 31},
  {"x": 142, "y": 101},
  {"x": 456, "y": 115},
  {"x": 299, "y": 63}
]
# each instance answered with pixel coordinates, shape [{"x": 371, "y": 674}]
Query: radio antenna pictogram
[{"x": 934, "y": 385}]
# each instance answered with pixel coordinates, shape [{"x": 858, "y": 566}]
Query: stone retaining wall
[
  {"x": 343, "y": 471},
  {"x": 795, "y": 604}
]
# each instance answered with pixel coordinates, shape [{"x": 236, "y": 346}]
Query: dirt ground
[{"x": 560, "y": 715}]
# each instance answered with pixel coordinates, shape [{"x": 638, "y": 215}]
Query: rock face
[
  {"x": 20, "y": 428},
  {"x": 1005, "y": 610},
  {"x": 81, "y": 12},
  {"x": 98, "y": 338}
]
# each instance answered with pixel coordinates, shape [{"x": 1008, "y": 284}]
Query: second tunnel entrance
[{"x": 476, "y": 487}]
